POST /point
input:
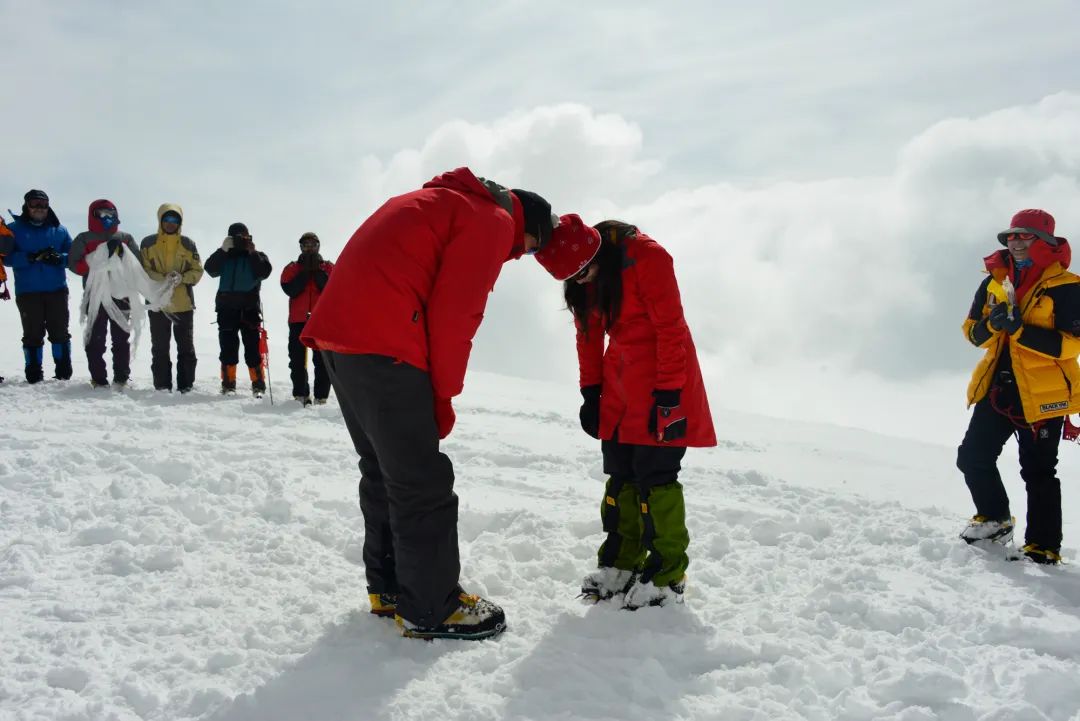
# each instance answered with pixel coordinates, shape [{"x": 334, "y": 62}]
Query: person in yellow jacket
[
  {"x": 1026, "y": 314},
  {"x": 169, "y": 256}
]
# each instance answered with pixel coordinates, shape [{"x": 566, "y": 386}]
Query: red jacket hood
[
  {"x": 464, "y": 181},
  {"x": 999, "y": 263},
  {"x": 1042, "y": 255},
  {"x": 94, "y": 223},
  {"x": 461, "y": 180}
]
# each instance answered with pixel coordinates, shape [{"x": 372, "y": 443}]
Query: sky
[{"x": 827, "y": 178}]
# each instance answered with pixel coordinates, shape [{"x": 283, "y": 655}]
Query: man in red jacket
[
  {"x": 303, "y": 281},
  {"x": 395, "y": 324}
]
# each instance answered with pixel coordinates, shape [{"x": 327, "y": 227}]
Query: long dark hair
[{"x": 605, "y": 293}]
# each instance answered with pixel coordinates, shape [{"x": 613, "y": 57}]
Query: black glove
[
  {"x": 49, "y": 256},
  {"x": 667, "y": 421},
  {"x": 589, "y": 415},
  {"x": 999, "y": 318}
]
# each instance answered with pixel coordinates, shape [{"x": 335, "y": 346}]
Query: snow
[{"x": 198, "y": 557}]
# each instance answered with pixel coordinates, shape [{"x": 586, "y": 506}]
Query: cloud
[
  {"x": 841, "y": 277},
  {"x": 567, "y": 152}
]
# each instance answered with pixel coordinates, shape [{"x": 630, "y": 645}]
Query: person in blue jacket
[
  {"x": 241, "y": 270},
  {"x": 38, "y": 253}
]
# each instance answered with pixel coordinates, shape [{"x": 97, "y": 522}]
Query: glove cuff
[
  {"x": 591, "y": 393},
  {"x": 667, "y": 398}
]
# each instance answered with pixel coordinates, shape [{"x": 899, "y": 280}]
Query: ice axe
[{"x": 264, "y": 352}]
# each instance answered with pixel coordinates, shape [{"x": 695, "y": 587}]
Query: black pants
[
  {"x": 406, "y": 485},
  {"x": 121, "y": 346},
  {"x": 235, "y": 324},
  {"x": 977, "y": 459},
  {"x": 43, "y": 311},
  {"x": 298, "y": 355},
  {"x": 180, "y": 326}
]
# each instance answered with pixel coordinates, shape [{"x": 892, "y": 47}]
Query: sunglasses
[
  {"x": 104, "y": 213},
  {"x": 174, "y": 219},
  {"x": 581, "y": 274},
  {"x": 38, "y": 205},
  {"x": 1021, "y": 236}
]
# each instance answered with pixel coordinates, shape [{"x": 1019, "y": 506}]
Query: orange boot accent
[{"x": 228, "y": 378}]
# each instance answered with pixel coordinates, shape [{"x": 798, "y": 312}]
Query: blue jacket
[{"x": 34, "y": 277}]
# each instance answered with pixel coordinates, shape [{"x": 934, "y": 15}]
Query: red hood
[
  {"x": 1042, "y": 255},
  {"x": 94, "y": 224},
  {"x": 461, "y": 180},
  {"x": 999, "y": 263}
]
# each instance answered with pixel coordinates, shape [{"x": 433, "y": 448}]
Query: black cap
[
  {"x": 238, "y": 230},
  {"x": 539, "y": 221},
  {"x": 308, "y": 236},
  {"x": 35, "y": 194}
]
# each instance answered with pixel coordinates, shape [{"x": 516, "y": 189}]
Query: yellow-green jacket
[
  {"x": 1043, "y": 352},
  {"x": 164, "y": 253}
]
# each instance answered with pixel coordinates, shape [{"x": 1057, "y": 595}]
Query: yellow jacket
[
  {"x": 1043, "y": 352},
  {"x": 164, "y": 253}
]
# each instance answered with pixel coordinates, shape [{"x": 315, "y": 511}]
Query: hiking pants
[
  {"x": 406, "y": 485},
  {"x": 235, "y": 324},
  {"x": 977, "y": 457},
  {"x": 180, "y": 326},
  {"x": 643, "y": 511},
  {"x": 121, "y": 346},
  {"x": 298, "y": 355}
]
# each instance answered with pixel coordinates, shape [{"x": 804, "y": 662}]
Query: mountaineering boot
[
  {"x": 258, "y": 385},
  {"x": 605, "y": 582},
  {"x": 981, "y": 528},
  {"x": 320, "y": 401},
  {"x": 303, "y": 400},
  {"x": 32, "y": 357},
  {"x": 61, "y": 353},
  {"x": 645, "y": 593},
  {"x": 1038, "y": 554},
  {"x": 383, "y": 604},
  {"x": 475, "y": 619},
  {"x": 228, "y": 379}
]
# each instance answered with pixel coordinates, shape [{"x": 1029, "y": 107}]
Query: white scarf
[{"x": 120, "y": 277}]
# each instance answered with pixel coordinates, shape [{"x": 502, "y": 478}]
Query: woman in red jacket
[{"x": 643, "y": 398}]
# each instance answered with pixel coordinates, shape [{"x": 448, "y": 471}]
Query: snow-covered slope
[{"x": 166, "y": 557}]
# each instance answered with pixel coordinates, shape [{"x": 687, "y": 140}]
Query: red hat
[
  {"x": 1034, "y": 221},
  {"x": 573, "y": 246}
]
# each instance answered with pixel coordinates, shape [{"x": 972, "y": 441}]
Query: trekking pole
[{"x": 264, "y": 351}]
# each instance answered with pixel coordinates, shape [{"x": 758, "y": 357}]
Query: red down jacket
[
  {"x": 413, "y": 280},
  {"x": 303, "y": 302},
  {"x": 649, "y": 348}
]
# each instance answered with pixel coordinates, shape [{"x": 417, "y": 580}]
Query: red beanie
[{"x": 573, "y": 246}]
